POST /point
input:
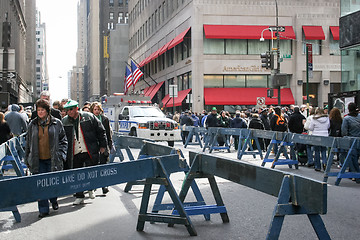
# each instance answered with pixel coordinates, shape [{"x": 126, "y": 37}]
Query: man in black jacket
[
  {"x": 237, "y": 122},
  {"x": 86, "y": 137},
  {"x": 53, "y": 112},
  {"x": 296, "y": 121}
]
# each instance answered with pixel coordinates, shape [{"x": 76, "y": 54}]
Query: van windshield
[{"x": 146, "y": 112}]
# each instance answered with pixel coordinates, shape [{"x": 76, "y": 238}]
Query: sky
[{"x": 60, "y": 18}]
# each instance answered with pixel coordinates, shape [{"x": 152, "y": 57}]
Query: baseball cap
[{"x": 71, "y": 104}]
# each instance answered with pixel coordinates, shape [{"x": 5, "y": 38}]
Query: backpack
[{"x": 281, "y": 124}]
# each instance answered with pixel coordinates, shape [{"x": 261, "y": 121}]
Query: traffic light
[
  {"x": 6, "y": 34},
  {"x": 267, "y": 60}
]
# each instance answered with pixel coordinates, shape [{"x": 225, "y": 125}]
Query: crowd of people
[
  {"x": 60, "y": 137},
  {"x": 64, "y": 136},
  {"x": 293, "y": 119}
]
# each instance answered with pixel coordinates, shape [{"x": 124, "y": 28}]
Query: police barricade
[
  {"x": 122, "y": 142},
  {"x": 279, "y": 144},
  {"x": 198, "y": 132},
  {"x": 155, "y": 170},
  {"x": 344, "y": 144},
  {"x": 14, "y": 154},
  {"x": 212, "y": 140},
  {"x": 296, "y": 194},
  {"x": 151, "y": 150}
]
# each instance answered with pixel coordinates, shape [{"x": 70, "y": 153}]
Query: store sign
[{"x": 238, "y": 68}]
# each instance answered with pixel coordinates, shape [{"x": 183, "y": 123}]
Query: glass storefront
[{"x": 350, "y": 69}]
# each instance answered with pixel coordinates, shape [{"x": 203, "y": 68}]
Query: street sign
[
  {"x": 10, "y": 75},
  {"x": 260, "y": 101},
  {"x": 277, "y": 29},
  {"x": 173, "y": 91},
  {"x": 310, "y": 60}
]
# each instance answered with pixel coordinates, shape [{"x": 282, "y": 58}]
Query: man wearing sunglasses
[{"x": 86, "y": 140}]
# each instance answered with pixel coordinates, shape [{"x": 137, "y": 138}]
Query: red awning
[
  {"x": 141, "y": 63},
  {"x": 244, "y": 32},
  {"x": 179, "y": 99},
  {"x": 147, "y": 60},
  {"x": 165, "y": 47},
  {"x": 178, "y": 39},
  {"x": 155, "y": 88},
  {"x": 313, "y": 33},
  {"x": 335, "y": 32},
  {"x": 148, "y": 89},
  {"x": 165, "y": 100},
  {"x": 245, "y": 96}
]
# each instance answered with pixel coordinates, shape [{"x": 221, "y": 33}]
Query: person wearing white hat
[{"x": 87, "y": 139}]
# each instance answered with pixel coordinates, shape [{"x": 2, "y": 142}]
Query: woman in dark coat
[
  {"x": 256, "y": 123},
  {"x": 97, "y": 110},
  {"x": 335, "y": 128},
  {"x": 46, "y": 147},
  {"x": 5, "y": 132}
]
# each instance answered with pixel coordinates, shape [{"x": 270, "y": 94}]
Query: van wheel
[
  {"x": 133, "y": 132},
  {"x": 170, "y": 143}
]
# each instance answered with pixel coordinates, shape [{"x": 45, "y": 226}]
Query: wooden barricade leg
[
  {"x": 330, "y": 160},
  {"x": 182, "y": 217},
  {"x": 203, "y": 209},
  {"x": 347, "y": 162},
  {"x": 284, "y": 207}
]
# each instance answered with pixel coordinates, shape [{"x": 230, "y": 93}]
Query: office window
[
  {"x": 213, "y": 81},
  {"x": 111, "y": 15},
  {"x": 256, "y": 81},
  {"x": 214, "y": 46},
  {"x": 126, "y": 17},
  {"x": 316, "y": 46},
  {"x": 111, "y": 3},
  {"x": 121, "y": 2},
  {"x": 234, "y": 81},
  {"x": 257, "y": 47},
  {"x": 120, "y": 17},
  {"x": 236, "y": 46},
  {"x": 334, "y": 47}
]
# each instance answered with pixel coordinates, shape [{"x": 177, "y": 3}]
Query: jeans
[
  {"x": 354, "y": 160},
  {"x": 319, "y": 149},
  {"x": 44, "y": 167},
  {"x": 309, "y": 153}
]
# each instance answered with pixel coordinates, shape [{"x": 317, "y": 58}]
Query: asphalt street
[{"x": 114, "y": 216}]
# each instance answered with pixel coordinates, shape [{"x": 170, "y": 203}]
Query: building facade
[
  {"x": 19, "y": 57},
  {"x": 211, "y": 50},
  {"x": 96, "y": 65},
  {"x": 42, "y": 75},
  {"x": 350, "y": 45}
]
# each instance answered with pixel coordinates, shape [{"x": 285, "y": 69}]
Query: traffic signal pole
[
  {"x": 278, "y": 50},
  {"x": 6, "y": 31}
]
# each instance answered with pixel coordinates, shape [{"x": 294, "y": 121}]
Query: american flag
[
  {"x": 128, "y": 79},
  {"x": 137, "y": 73}
]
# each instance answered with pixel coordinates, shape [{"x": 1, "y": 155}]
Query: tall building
[
  {"x": 97, "y": 67},
  {"x": 350, "y": 45},
  {"x": 42, "y": 75},
  {"x": 19, "y": 51},
  {"x": 211, "y": 51}
]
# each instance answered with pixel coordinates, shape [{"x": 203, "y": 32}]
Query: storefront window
[
  {"x": 213, "y": 81},
  {"x": 256, "y": 81},
  {"x": 313, "y": 94},
  {"x": 236, "y": 46},
  {"x": 213, "y": 46},
  {"x": 234, "y": 81},
  {"x": 350, "y": 69}
]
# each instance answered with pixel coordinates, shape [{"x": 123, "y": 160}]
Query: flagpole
[
  {"x": 144, "y": 71},
  {"x": 144, "y": 79}
]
